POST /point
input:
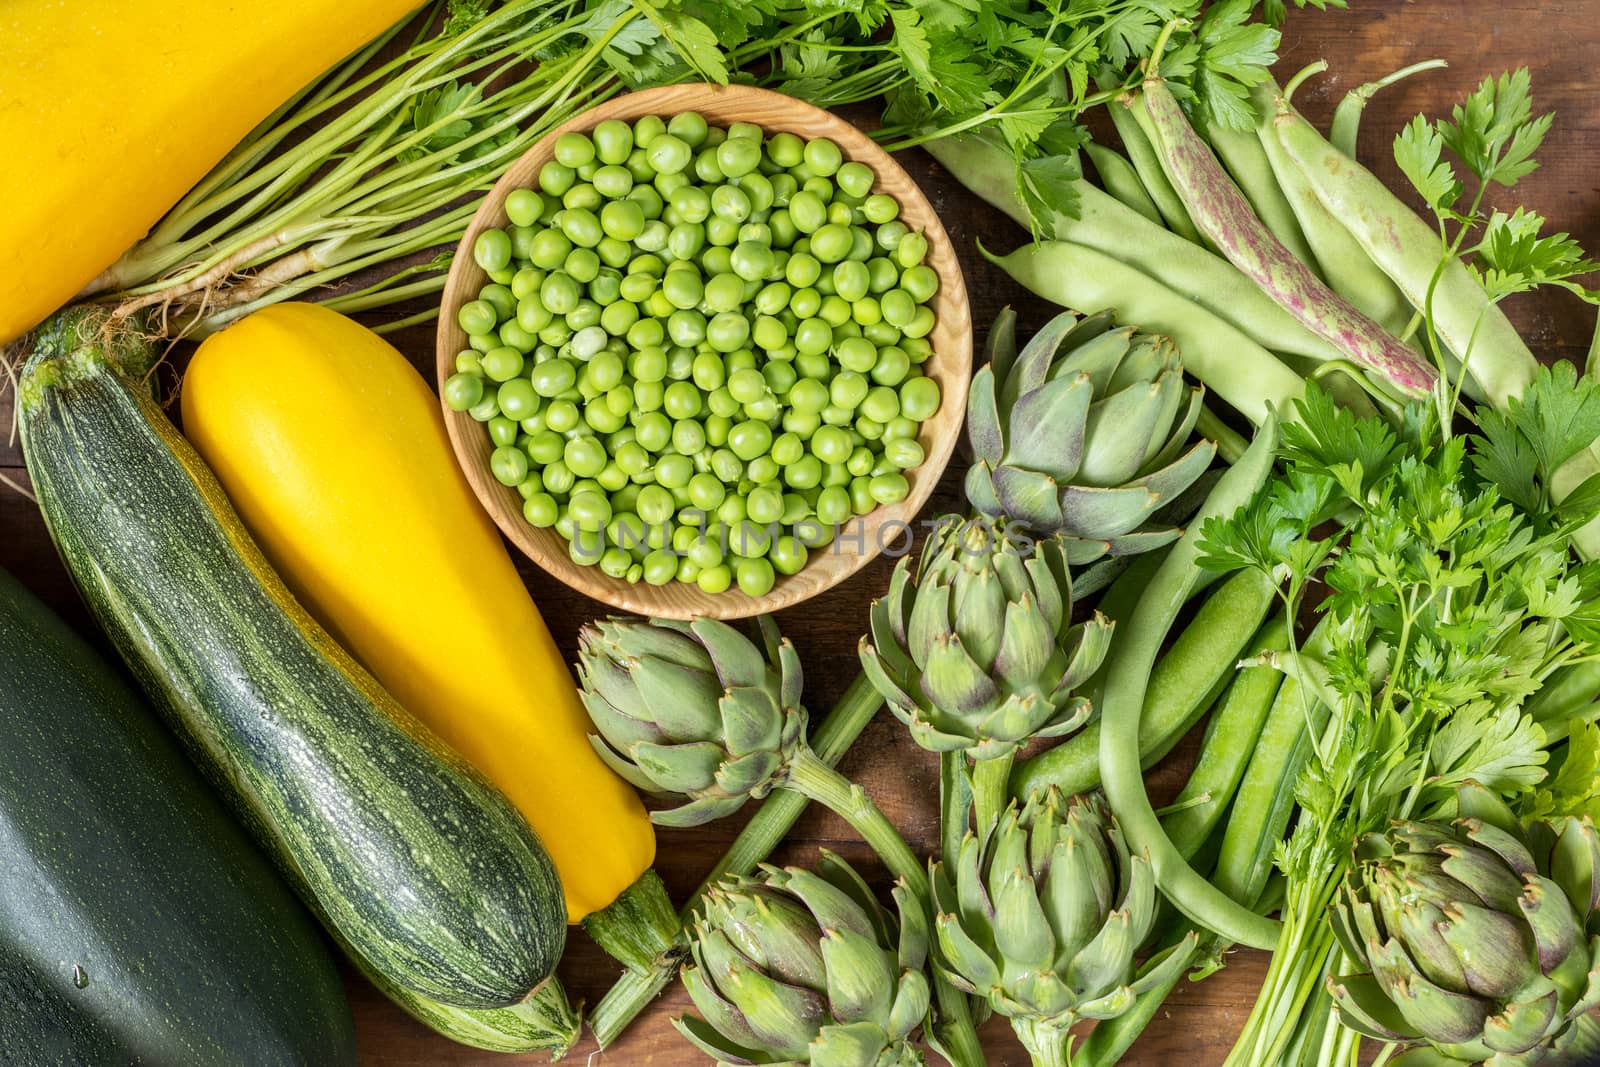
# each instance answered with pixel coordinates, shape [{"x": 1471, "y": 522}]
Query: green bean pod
[
  {"x": 1223, "y": 214},
  {"x": 1246, "y": 159},
  {"x": 1219, "y": 354},
  {"x": 1133, "y": 656},
  {"x": 981, "y": 163},
  {"x": 1346, "y": 127},
  {"x": 1121, "y": 180},
  {"x": 1407, "y": 249},
  {"x": 1346, "y": 266},
  {"x": 1231, "y": 737},
  {"x": 1185, "y": 683},
  {"x": 1142, "y": 154}
]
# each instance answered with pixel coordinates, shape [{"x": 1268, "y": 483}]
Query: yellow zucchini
[
  {"x": 333, "y": 450},
  {"x": 111, "y": 110}
]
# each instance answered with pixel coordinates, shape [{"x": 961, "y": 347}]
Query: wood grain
[
  {"x": 860, "y": 539},
  {"x": 1557, "y": 38}
]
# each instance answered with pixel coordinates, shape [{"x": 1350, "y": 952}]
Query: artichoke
[
  {"x": 978, "y": 653},
  {"x": 796, "y": 967},
  {"x": 1082, "y": 433},
  {"x": 1478, "y": 940},
  {"x": 1044, "y": 917},
  {"x": 694, "y": 709}
]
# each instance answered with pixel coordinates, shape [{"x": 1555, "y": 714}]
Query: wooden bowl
[{"x": 860, "y": 539}]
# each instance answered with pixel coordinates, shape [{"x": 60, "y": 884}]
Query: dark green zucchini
[
  {"x": 415, "y": 863},
  {"x": 137, "y": 923}
]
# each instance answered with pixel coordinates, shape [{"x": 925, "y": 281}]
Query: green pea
[
  {"x": 839, "y": 213},
  {"x": 728, "y": 331},
  {"x": 560, "y": 292},
  {"x": 477, "y": 316},
  {"x": 881, "y": 403},
  {"x": 682, "y": 400},
  {"x": 462, "y": 391},
  {"x": 835, "y": 311},
  {"x": 722, "y": 403},
  {"x": 574, "y": 149},
  {"x": 847, "y": 389},
  {"x": 508, "y": 465},
  {"x": 706, "y": 491},
  {"x": 889, "y": 488},
  {"x": 904, "y": 453},
  {"x": 585, "y": 456},
  {"x": 891, "y": 366},
  {"x": 674, "y": 471},
  {"x": 787, "y": 555},
  {"x": 517, "y": 400},
  {"x": 541, "y": 510},
  {"x": 803, "y": 473},
  {"x": 921, "y": 281},
  {"x": 749, "y": 439},
  {"x": 549, "y": 249},
  {"x": 898, "y": 307},
  {"x": 921, "y": 324},
  {"x": 683, "y": 288},
  {"x": 768, "y": 333},
  {"x": 880, "y": 208},
  {"x": 757, "y": 186},
  {"x": 553, "y": 377},
  {"x": 882, "y": 334},
  {"x": 613, "y": 141},
  {"x": 788, "y": 449},
  {"x": 726, "y": 465},
  {"x": 545, "y": 447},
  {"x": 831, "y": 243},
  {"x": 813, "y": 336},
  {"x": 648, "y": 364},
  {"x": 822, "y": 156},
  {"x": 802, "y": 270},
  {"x": 688, "y": 436},
  {"x": 523, "y": 207},
  {"x": 850, "y": 280},
  {"x": 581, "y": 196},
  {"x": 631, "y": 458},
  {"x": 786, "y": 150},
  {"x": 492, "y": 250},
  {"x": 807, "y": 212},
  {"x": 830, "y": 444},
  {"x": 668, "y": 153},
  {"x": 653, "y": 429},
  {"x": 502, "y": 363},
  {"x": 555, "y": 178},
  {"x": 911, "y": 249},
  {"x": 764, "y": 505},
  {"x": 755, "y": 576},
  {"x": 561, "y": 415},
  {"x": 582, "y": 227},
  {"x": 690, "y": 127},
  {"x": 659, "y": 567},
  {"x": 919, "y": 399},
  {"x": 590, "y": 510},
  {"x": 713, "y": 580},
  {"x": 833, "y": 505},
  {"x": 654, "y": 505},
  {"x": 808, "y": 395},
  {"x": 747, "y": 385}
]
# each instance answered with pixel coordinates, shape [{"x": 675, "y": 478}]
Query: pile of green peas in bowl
[{"x": 700, "y": 349}]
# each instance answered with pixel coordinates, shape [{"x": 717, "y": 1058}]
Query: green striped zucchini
[
  {"x": 137, "y": 923},
  {"x": 420, "y": 868}
]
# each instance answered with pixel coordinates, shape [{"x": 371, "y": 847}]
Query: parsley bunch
[{"x": 1450, "y": 598}]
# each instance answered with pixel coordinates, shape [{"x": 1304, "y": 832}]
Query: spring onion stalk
[{"x": 634, "y": 991}]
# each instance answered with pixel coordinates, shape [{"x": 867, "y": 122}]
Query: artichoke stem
[
  {"x": 955, "y": 800},
  {"x": 1048, "y": 1044},
  {"x": 815, "y": 780},
  {"x": 991, "y": 792}
]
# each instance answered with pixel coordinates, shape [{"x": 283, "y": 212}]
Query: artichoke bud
[
  {"x": 807, "y": 967},
  {"x": 1043, "y": 919},
  {"x": 976, "y": 651},
  {"x": 1085, "y": 432},
  {"x": 1472, "y": 940},
  {"x": 695, "y": 710}
]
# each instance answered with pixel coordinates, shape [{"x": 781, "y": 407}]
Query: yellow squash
[
  {"x": 334, "y": 452},
  {"x": 111, "y": 109}
]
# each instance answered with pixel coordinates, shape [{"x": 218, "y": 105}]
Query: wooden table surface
[{"x": 1556, "y": 38}]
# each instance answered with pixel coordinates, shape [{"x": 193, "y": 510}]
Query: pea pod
[
  {"x": 1232, "y": 735},
  {"x": 1264, "y": 800},
  {"x": 1186, "y": 681},
  {"x": 1219, "y": 354},
  {"x": 1223, "y": 214},
  {"x": 1133, "y": 655}
]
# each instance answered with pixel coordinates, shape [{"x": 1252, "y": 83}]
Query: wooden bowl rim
[{"x": 873, "y": 532}]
